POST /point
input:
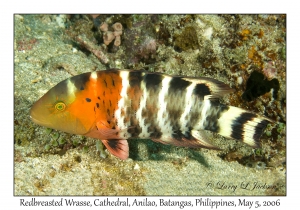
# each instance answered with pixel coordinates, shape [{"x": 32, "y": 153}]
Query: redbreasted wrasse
[{"x": 116, "y": 105}]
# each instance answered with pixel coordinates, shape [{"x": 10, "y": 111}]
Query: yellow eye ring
[{"x": 60, "y": 106}]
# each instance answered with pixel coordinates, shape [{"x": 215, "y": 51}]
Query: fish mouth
[{"x": 38, "y": 120}]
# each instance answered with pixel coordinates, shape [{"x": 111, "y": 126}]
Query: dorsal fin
[
  {"x": 118, "y": 148},
  {"x": 209, "y": 85}
]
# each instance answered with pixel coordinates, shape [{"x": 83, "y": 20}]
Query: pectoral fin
[{"x": 118, "y": 148}]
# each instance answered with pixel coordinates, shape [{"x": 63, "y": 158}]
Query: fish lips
[{"x": 38, "y": 119}]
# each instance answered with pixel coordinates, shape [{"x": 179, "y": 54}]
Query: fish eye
[{"x": 60, "y": 106}]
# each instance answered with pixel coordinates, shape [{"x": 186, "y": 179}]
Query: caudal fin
[{"x": 242, "y": 125}]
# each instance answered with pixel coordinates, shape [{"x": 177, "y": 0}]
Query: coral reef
[
  {"x": 109, "y": 36},
  {"x": 26, "y": 44},
  {"x": 187, "y": 39},
  {"x": 96, "y": 50}
]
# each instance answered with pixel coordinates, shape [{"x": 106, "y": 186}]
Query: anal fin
[
  {"x": 203, "y": 140},
  {"x": 197, "y": 139},
  {"x": 117, "y": 147}
]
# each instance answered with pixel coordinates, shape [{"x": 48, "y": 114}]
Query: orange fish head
[{"x": 57, "y": 110}]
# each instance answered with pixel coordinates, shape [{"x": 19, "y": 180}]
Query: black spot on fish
[
  {"x": 193, "y": 117},
  {"x": 113, "y": 82},
  {"x": 109, "y": 102},
  {"x": 211, "y": 120},
  {"x": 103, "y": 93},
  {"x": 98, "y": 98},
  {"x": 188, "y": 134},
  {"x": 134, "y": 128},
  {"x": 97, "y": 104},
  {"x": 135, "y": 78},
  {"x": 153, "y": 80},
  {"x": 211, "y": 123},
  {"x": 257, "y": 85},
  {"x": 88, "y": 99},
  {"x": 114, "y": 144},
  {"x": 201, "y": 90},
  {"x": 259, "y": 129},
  {"x": 108, "y": 121},
  {"x": 80, "y": 81},
  {"x": 108, "y": 112},
  {"x": 154, "y": 132},
  {"x": 62, "y": 87},
  {"x": 177, "y": 135},
  {"x": 177, "y": 83},
  {"x": 237, "y": 127},
  {"x": 215, "y": 102}
]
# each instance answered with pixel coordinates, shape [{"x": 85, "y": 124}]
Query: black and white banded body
[{"x": 117, "y": 105}]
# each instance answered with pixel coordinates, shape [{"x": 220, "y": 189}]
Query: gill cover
[{"x": 64, "y": 107}]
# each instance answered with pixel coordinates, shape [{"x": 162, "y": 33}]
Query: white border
[{"x": 8, "y": 8}]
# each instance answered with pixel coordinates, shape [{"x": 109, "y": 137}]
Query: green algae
[
  {"x": 54, "y": 143},
  {"x": 47, "y": 147},
  {"x": 187, "y": 39},
  {"x": 100, "y": 149},
  {"x": 62, "y": 141}
]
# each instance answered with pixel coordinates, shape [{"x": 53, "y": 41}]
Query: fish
[{"x": 118, "y": 105}]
